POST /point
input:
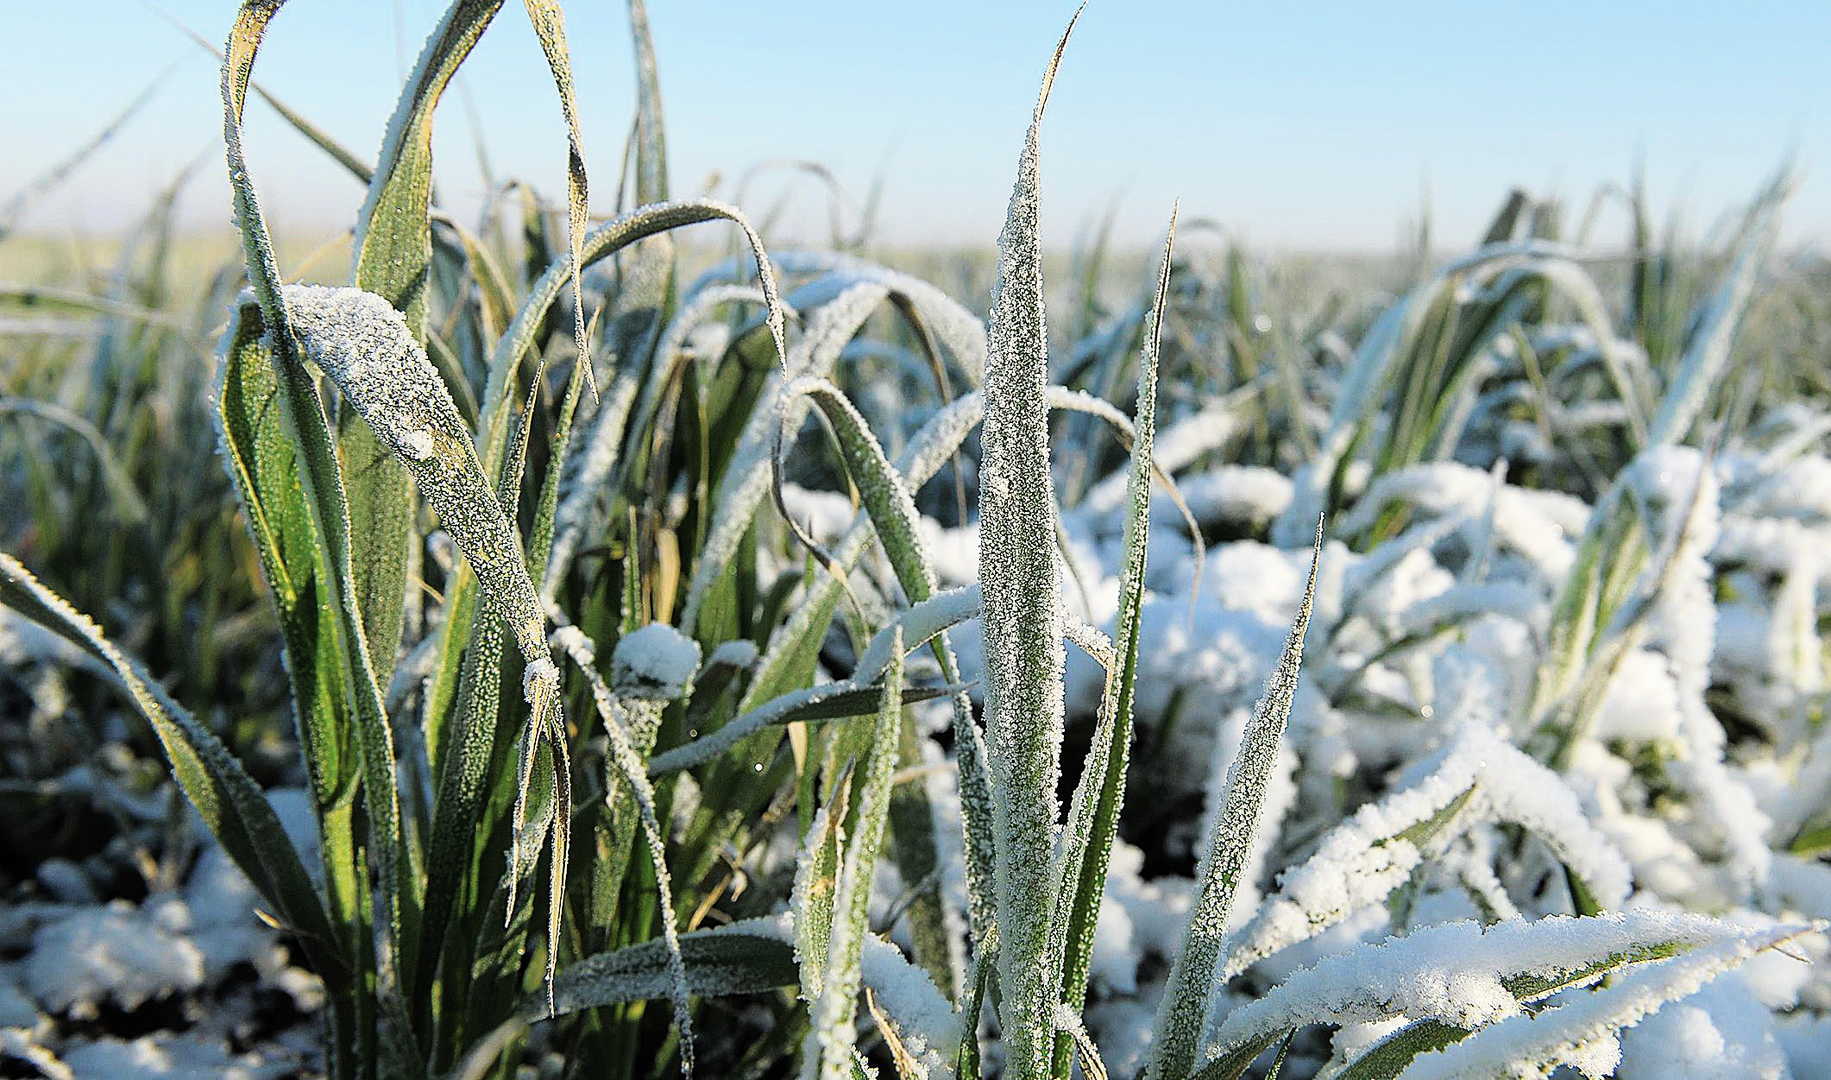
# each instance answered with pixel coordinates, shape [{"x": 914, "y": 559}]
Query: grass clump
[{"x": 581, "y": 726}]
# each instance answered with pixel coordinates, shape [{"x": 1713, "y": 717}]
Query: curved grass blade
[
  {"x": 1395, "y": 352},
  {"x": 464, "y": 765},
  {"x": 602, "y": 242},
  {"x": 495, "y": 301},
  {"x": 934, "y": 931},
  {"x": 226, "y": 797},
  {"x": 886, "y": 499},
  {"x": 952, "y": 322},
  {"x": 549, "y": 22},
  {"x": 393, "y": 259},
  {"x": 750, "y": 474},
  {"x": 328, "y": 519},
  {"x": 1063, "y": 398},
  {"x": 634, "y": 398},
  {"x": 394, "y": 231}
]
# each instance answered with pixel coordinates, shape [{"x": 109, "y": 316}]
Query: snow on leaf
[
  {"x": 1477, "y": 777},
  {"x": 1466, "y": 975},
  {"x": 654, "y": 662},
  {"x": 1582, "y": 1032},
  {"x": 364, "y": 345}
]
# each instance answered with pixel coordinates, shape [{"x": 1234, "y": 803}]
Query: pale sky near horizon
[{"x": 1322, "y": 126}]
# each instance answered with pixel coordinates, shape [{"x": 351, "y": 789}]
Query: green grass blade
[
  {"x": 264, "y": 467},
  {"x": 925, "y": 453},
  {"x": 573, "y": 514},
  {"x": 741, "y": 958},
  {"x": 1233, "y": 1064},
  {"x": 1389, "y": 1057},
  {"x": 1069, "y": 1026},
  {"x": 606, "y": 240},
  {"x": 495, "y": 299},
  {"x": 1093, "y": 817},
  {"x": 627, "y": 765},
  {"x": 322, "y": 480},
  {"x": 559, "y": 446},
  {"x": 459, "y": 826},
  {"x": 129, "y": 507},
  {"x": 886, "y": 499},
  {"x": 816, "y": 883},
  {"x": 1708, "y": 348},
  {"x": 393, "y": 259},
  {"x": 1187, "y": 995},
  {"x": 651, "y": 131},
  {"x": 835, "y": 1010},
  {"x": 1023, "y": 620},
  {"x": 229, "y": 801},
  {"x": 918, "y": 863},
  {"x": 827, "y": 701},
  {"x": 394, "y": 233},
  {"x": 549, "y": 22}
]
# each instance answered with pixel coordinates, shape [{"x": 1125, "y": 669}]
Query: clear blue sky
[{"x": 1315, "y": 126}]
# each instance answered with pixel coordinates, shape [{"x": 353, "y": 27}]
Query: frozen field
[{"x": 565, "y": 644}]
